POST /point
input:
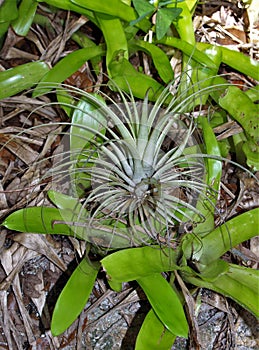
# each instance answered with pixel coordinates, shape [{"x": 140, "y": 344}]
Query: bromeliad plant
[{"x": 138, "y": 182}]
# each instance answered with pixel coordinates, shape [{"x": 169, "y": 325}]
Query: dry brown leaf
[
  {"x": 19, "y": 148},
  {"x": 12, "y": 260},
  {"x": 38, "y": 243},
  {"x": 24, "y": 313}
]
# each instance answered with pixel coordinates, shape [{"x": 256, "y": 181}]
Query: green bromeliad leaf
[
  {"x": 229, "y": 235},
  {"x": 153, "y": 334},
  {"x": 17, "y": 79},
  {"x": 160, "y": 295},
  {"x": 27, "y": 10},
  {"x": 136, "y": 263},
  {"x": 238, "y": 283},
  {"x": 74, "y": 296}
]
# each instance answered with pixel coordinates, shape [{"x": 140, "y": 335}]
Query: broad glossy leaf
[
  {"x": 183, "y": 24},
  {"x": 90, "y": 119},
  {"x": 214, "y": 167},
  {"x": 65, "y": 101},
  {"x": 184, "y": 27},
  {"x": 165, "y": 303},
  {"x": 82, "y": 39},
  {"x": 15, "y": 80},
  {"x": 213, "y": 270},
  {"x": 229, "y": 235},
  {"x": 190, "y": 50},
  {"x": 251, "y": 151},
  {"x": 37, "y": 220},
  {"x": 87, "y": 121},
  {"x": 241, "y": 62},
  {"x": 127, "y": 78},
  {"x": 115, "y": 38},
  {"x": 244, "y": 111},
  {"x": 253, "y": 93},
  {"x": 27, "y": 10},
  {"x": 202, "y": 77},
  {"x": 237, "y": 60},
  {"x": 8, "y": 11},
  {"x": 207, "y": 201},
  {"x": 66, "y": 67},
  {"x": 68, "y": 5},
  {"x": 62, "y": 201},
  {"x": 3, "y": 29},
  {"x": 138, "y": 262},
  {"x": 153, "y": 334},
  {"x": 106, "y": 230},
  {"x": 115, "y": 8},
  {"x": 239, "y": 283},
  {"x": 74, "y": 296},
  {"x": 159, "y": 58},
  {"x": 65, "y": 222}
]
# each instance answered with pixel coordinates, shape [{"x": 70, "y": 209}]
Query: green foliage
[
  {"x": 164, "y": 15},
  {"x": 75, "y": 294},
  {"x": 154, "y": 335},
  {"x": 26, "y": 12},
  {"x": 15, "y": 80},
  {"x": 160, "y": 294},
  {"x": 131, "y": 154}
]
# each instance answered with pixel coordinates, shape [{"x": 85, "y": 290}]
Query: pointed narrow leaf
[
  {"x": 153, "y": 334},
  {"x": 165, "y": 303},
  {"x": 27, "y": 10},
  {"x": 127, "y": 78},
  {"x": 37, "y": 220},
  {"x": 74, "y": 296},
  {"x": 66, "y": 67}
]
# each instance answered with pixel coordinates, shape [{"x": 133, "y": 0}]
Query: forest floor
[{"x": 34, "y": 268}]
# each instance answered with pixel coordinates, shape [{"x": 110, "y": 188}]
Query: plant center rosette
[{"x": 134, "y": 168}]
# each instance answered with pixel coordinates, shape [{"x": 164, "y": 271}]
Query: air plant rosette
[{"x": 129, "y": 172}]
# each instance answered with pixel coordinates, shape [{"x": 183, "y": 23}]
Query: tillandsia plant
[{"x": 139, "y": 186}]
